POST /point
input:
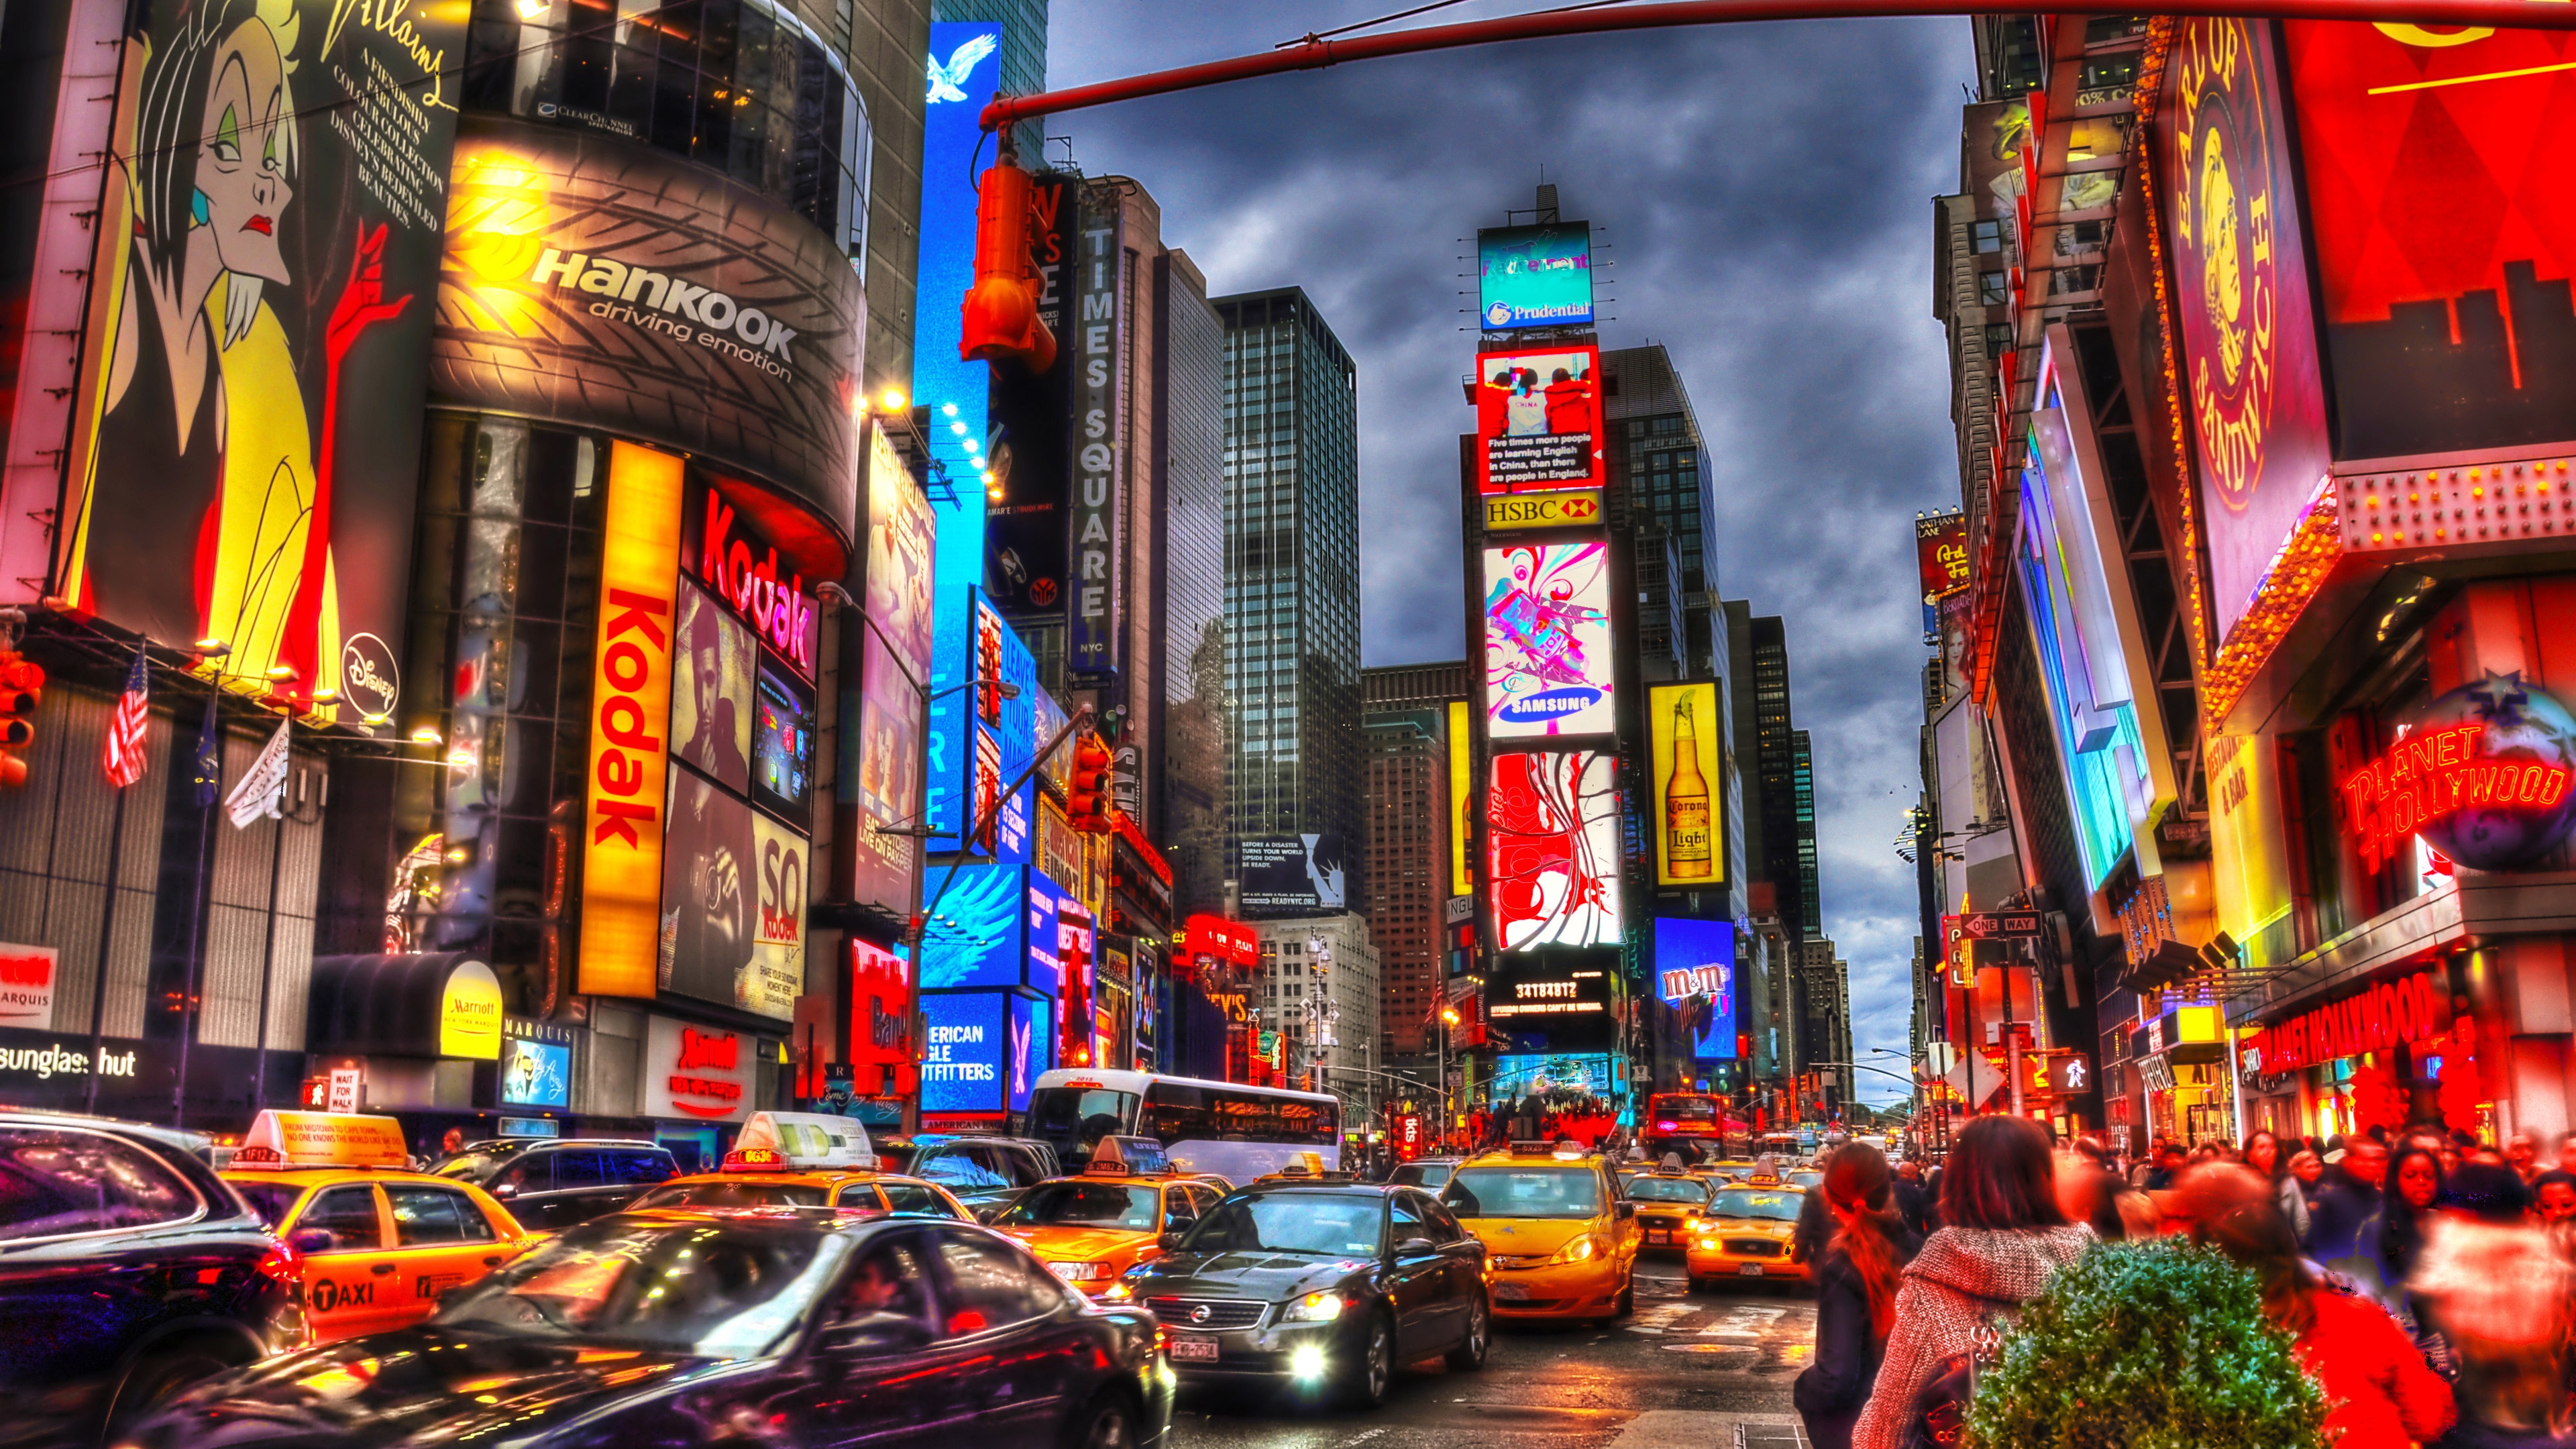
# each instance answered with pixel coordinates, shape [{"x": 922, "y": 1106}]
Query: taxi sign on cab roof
[
  {"x": 800, "y": 1142},
  {"x": 321, "y": 1139},
  {"x": 1129, "y": 1157}
]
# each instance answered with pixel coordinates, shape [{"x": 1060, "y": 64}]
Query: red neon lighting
[{"x": 2427, "y": 776}]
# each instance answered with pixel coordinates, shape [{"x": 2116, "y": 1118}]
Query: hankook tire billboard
[{"x": 597, "y": 283}]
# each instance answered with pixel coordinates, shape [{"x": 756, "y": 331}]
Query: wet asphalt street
[{"x": 1705, "y": 1370}]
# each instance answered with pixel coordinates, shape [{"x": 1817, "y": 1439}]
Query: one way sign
[{"x": 1999, "y": 925}]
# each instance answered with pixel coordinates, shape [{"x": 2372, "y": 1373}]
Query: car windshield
[
  {"x": 721, "y": 1194},
  {"x": 1668, "y": 1189},
  {"x": 1076, "y": 1118},
  {"x": 1804, "y": 1178},
  {"x": 1291, "y": 1222},
  {"x": 1524, "y": 1192},
  {"x": 1423, "y": 1174},
  {"x": 1084, "y": 1205},
  {"x": 953, "y": 1169},
  {"x": 693, "y": 1287},
  {"x": 1757, "y": 1202},
  {"x": 270, "y": 1200}
]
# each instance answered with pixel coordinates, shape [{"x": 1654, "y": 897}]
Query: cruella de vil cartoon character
[{"x": 206, "y": 452}]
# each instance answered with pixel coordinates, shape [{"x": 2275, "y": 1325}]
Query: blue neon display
[
  {"x": 965, "y": 65},
  {"x": 1535, "y": 276},
  {"x": 996, "y": 926},
  {"x": 979, "y": 740},
  {"x": 1032, "y": 1045},
  {"x": 1697, "y": 958},
  {"x": 536, "y": 1074},
  {"x": 965, "y": 1038},
  {"x": 2093, "y": 737}
]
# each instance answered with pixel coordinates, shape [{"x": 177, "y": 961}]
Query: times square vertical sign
[{"x": 1094, "y": 523}]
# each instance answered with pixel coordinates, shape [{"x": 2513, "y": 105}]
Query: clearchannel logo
[{"x": 1549, "y": 704}]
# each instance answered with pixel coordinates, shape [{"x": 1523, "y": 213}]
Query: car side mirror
[
  {"x": 505, "y": 1189},
  {"x": 311, "y": 1240},
  {"x": 1170, "y": 1241},
  {"x": 1417, "y": 1248},
  {"x": 1625, "y": 1211},
  {"x": 875, "y": 1334}
]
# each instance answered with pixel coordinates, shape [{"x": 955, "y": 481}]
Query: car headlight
[
  {"x": 1080, "y": 1272},
  {"x": 1581, "y": 1250},
  {"x": 1313, "y": 1308}
]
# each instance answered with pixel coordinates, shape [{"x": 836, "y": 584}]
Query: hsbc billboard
[{"x": 1574, "y": 508}]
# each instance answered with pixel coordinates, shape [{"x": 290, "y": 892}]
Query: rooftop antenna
[{"x": 1547, "y": 203}]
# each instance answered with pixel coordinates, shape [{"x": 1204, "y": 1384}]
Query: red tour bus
[{"x": 1675, "y": 1118}]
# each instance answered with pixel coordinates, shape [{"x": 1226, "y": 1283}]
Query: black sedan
[
  {"x": 800, "y": 1326},
  {"x": 1317, "y": 1286}
]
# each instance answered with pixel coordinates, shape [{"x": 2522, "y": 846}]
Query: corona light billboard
[
  {"x": 1548, "y": 669},
  {"x": 1686, "y": 810}
]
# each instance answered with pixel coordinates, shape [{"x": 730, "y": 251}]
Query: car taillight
[{"x": 281, "y": 1264}]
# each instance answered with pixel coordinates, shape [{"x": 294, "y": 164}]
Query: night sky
[{"x": 1764, "y": 194}]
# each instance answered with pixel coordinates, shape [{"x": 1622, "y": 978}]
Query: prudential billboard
[{"x": 1535, "y": 276}]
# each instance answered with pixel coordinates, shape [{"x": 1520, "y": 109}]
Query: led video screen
[
  {"x": 1552, "y": 831},
  {"x": 1534, "y": 276},
  {"x": 1538, "y": 421},
  {"x": 1548, "y": 669}
]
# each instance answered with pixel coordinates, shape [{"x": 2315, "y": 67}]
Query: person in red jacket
[{"x": 2378, "y": 1391}]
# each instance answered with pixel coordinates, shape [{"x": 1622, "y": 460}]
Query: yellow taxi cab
[
  {"x": 803, "y": 1159},
  {"x": 1745, "y": 1232},
  {"x": 1667, "y": 1204},
  {"x": 373, "y": 1244},
  {"x": 1090, "y": 1228},
  {"x": 1560, "y": 1241}
]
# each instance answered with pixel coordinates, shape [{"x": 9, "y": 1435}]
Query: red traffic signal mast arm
[{"x": 1314, "y": 53}]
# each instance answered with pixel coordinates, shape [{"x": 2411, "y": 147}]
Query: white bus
[{"x": 1234, "y": 1131}]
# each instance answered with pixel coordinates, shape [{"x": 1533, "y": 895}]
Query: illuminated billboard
[
  {"x": 1462, "y": 801},
  {"x": 2246, "y": 331},
  {"x": 880, "y": 766},
  {"x": 2437, "y": 166},
  {"x": 630, "y": 701},
  {"x": 1548, "y": 669},
  {"x": 980, "y": 739},
  {"x": 728, "y": 329},
  {"x": 1031, "y": 1049},
  {"x": 258, "y": 313},
  {"x": 1552, "y": 850},
  {"x": 1941, "y": 549},
  {"x": 1294, "y": 875},
  {"x": 1538, "y": 421},
  {"x": 996, "y": 926},
  {"x": 1026, "y": 450},
  {"x": 1695, "y": 971},
  {"x": 1534, "y": 276},
  {"x": 1687, "y": 809},
  {"x": 966, "y": 63}
]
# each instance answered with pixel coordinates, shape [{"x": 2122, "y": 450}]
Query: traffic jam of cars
[{"x": 315, "y": 1285}]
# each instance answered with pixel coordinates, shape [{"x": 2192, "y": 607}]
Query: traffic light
[
  {"x": 1000, "y": 321},
  {"x": 1086, "y": 796},
  {"x": 22, "y": 687}
]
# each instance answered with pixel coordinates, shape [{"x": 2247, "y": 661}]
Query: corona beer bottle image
[{"x": 1686, "y": 852}]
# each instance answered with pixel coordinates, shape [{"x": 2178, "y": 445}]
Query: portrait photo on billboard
[
  {"x": 708, "y": 890},
  {"x": 536, "y": 1074},
  {"x": 1538, "y": 421},
  {"x": 1294, "y": 874},
  {"x": 1534, "y": 276},
  {"x": 711, "y": 694},
  {"x": 2245, "y": 327},
  {"x": 883, "y": 771},
  {"x": 2443, "y": 265},
  {"x": 1548, "y": 669},
  {"x": 593, "y": 281},
  {"x": 1552, "y": 854},
  {"x": 263, "y": 293}
]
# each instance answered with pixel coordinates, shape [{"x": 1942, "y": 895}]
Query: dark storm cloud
[{"x": 1764, "y": 193}]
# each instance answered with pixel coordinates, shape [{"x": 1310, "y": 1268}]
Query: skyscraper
[
  {"x": 1802, "y": 769},
  {"x": 1291, "y": 575},
  {"x": 1188, "y": 606},
  {"x": 1405, "y": 732},
  {"x": 1670, "y": 504}
]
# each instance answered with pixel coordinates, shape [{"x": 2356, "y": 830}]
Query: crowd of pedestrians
[{"x": 2427, "y": 1280}]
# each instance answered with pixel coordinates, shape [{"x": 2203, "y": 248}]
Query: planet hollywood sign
[
  {"x": 2410, "y": 1009},
  {"x": 2483, "y": 777}
]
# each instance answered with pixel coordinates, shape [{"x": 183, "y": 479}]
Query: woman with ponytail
[{"x": 1856, "y": 1282}]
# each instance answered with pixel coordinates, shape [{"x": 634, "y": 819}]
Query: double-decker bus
[
  {"x": 1690, "y": 1123},
  {"x": 1226, "y": 1128}
]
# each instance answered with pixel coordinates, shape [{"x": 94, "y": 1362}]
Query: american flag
[{"x": 125, "y": 742}]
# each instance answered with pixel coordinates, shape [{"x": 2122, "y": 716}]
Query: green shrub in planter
[{"x": 2147, "y": 1346}]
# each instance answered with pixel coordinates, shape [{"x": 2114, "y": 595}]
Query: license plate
[
  {"x": 1749, "y": 1270},
  {"x": 1193, "y": 1350},
  {"x": 1510, "y": 1293},
  {"x": 1659, "y": 1237}
]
